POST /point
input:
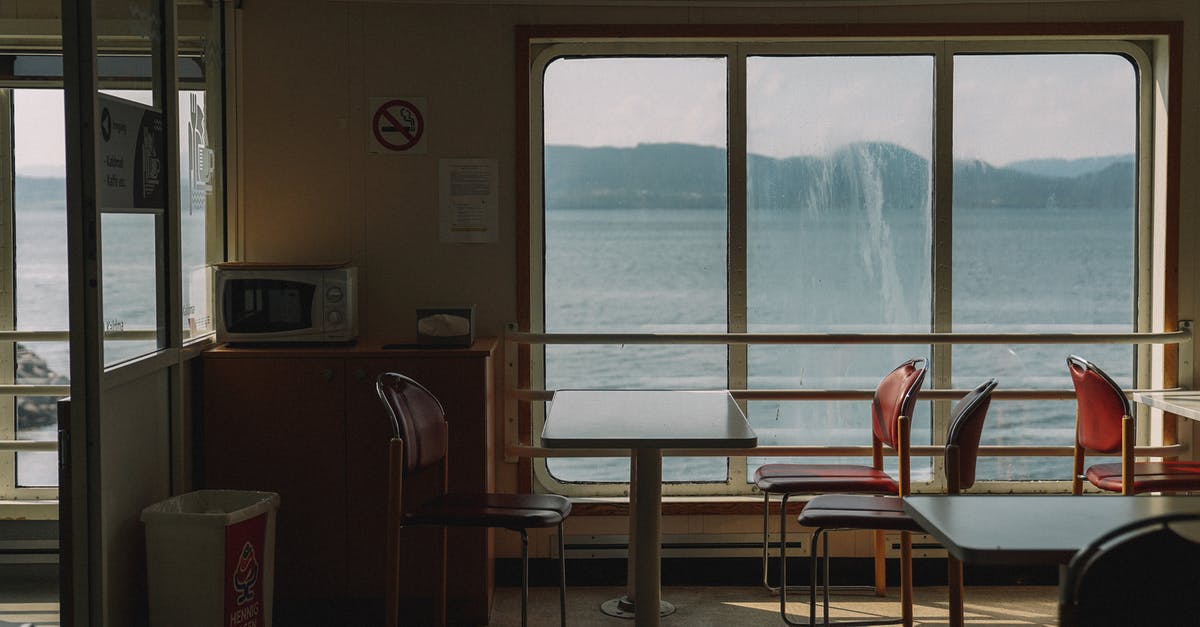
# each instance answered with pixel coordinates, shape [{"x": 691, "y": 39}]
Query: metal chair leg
[
  {"x": 821, "y": 536},
  {"x": 524, "y": 578},
  {"x": 783, "y": 586},
  {"x": 782, "y": 541},
  {"x": 562, "y": 576},
  {"x": 765, "y": 568}
]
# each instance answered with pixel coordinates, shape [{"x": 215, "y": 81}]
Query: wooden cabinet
[{"x": 307, "y": 423}]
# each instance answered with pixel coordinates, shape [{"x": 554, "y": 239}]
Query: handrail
[
  {"x": 515, "y": 449},
  {"x": 28, "y": 445},
  {"x": 782, "y": 394},
  {"x": 1168, "y": 450},
  {"x": 34, "y": 389},
  {"x": 12, "y": 335},
  {"x": 1162, "y": 337}
]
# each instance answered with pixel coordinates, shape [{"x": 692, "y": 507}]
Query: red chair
[
  {"x": 895, "y": 396},
  {"x": 1104, "y": 424},
  {"x": 865, "y": 511},
  {"x": 419, "y": 440}
]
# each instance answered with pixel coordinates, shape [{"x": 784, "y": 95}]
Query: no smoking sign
[{"x": 397, "y": 126}]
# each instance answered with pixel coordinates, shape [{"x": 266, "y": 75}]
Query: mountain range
[
  {"x": 666, "y": 176},
  {"x": 689, "y": 176}
]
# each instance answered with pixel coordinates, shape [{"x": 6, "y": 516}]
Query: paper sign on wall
[{"x": 468, "y": 200}]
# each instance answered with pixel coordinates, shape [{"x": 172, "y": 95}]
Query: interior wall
[{"x": 312, "y": 191}]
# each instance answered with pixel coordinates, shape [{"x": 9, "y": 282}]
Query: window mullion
[
  {"x": 943, "y": 229},
  {"x": 736, "y": 262},
  {"x": 8, "y": 416}
]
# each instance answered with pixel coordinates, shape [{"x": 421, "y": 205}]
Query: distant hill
[
  {"x": 1069, "y": 167},
  {"x": 687, "y": 176},
  {"x": 680, "y": 176}
]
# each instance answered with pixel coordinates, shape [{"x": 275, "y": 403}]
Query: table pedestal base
[{"x": 622, "y": 607}]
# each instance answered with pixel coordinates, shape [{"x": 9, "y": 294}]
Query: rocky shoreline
[{"x": 36, "y": 411}]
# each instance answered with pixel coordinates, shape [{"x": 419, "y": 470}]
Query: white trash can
[{"x": 210, "y": 558}]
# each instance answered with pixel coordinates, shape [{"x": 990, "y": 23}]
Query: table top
[
  {"x": 1184, "y": 403},
  {"x": 646, "y": 419},
  {"x": 1030, "y": 529}
]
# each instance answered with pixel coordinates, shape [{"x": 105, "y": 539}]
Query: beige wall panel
[
  {"x": 135, "y": 473},
  {"x": 468, "y": 87},
  {"x": 292, "y": 125}
]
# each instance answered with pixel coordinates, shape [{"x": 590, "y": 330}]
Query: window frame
[
  {"x": 165, "y": 352},
  {"x": 1154, "y": 56}
]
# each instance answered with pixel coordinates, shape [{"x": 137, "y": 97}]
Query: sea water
[
  {"x": 647, "y": 270},
  {"x": 1014, "y": 270}
]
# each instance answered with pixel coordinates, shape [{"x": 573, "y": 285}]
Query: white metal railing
[
  {"x": 39, "y": 389},
  {"x": 514, "y": 396}
]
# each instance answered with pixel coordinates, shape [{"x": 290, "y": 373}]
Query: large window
[{"x": 801, "y": 187}]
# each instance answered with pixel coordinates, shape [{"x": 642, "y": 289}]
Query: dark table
[
  {"x": 1031, "y": 529},
  {"x": 646, "y": 422}
]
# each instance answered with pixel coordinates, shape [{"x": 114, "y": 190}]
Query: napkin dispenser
[{"x": 446, "y": 326}]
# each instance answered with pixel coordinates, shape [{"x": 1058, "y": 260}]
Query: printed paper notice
[{"x": 468, "y": 200}]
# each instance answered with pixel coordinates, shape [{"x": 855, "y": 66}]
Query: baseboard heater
[
  {"x": 599, "y": 546},
  {"x": 922, "y": 546},
  {"x": 680, "y": 545}
]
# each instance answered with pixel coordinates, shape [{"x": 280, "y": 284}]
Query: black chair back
[
  {"x": 966, "y": 427},
  {"x": 418, "y": 419},
  {"x": 1142, "y": 573}
]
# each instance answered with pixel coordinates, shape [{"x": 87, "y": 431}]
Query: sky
[
  {"x": 1007, "y": 107},
  {"x": 38, "y": 135},
  {"x": 39, "y": 141}
]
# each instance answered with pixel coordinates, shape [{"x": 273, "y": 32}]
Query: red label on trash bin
[{"x": 244, "y": 553}]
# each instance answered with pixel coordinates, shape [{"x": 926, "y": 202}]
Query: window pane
[
  {"x": 197, "y": 171},
  {"x": 128, "y": 243},
  {"x": 635, "y": 231},
  {"x": 838, "y": 220},
  {"x": 39, "y": 271},
  {"x": 1044, "y": 227}
]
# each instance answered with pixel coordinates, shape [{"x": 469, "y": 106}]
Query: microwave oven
[{"x": 265, "y": 302}]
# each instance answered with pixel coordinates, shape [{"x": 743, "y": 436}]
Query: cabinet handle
[
  {"x": 360, "y": 374},
  {"x": 327, "y": 374}
]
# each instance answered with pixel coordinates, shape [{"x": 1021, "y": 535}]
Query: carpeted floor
[{"x": 720, "y": 606}]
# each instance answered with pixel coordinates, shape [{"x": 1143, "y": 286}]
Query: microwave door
[{"x": 269, "y": 306}]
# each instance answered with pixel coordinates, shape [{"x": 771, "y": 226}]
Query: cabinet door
[
  {"x": 463, "y": 385},
  {"x": 278, "y": 424}
]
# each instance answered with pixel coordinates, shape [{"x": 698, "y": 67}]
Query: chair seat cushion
[
  {"x": 510, "y": 511},
  {"x": 1148, "y": 476},
  {"x": 857, "y": 511},
  {"x": 822, "y": 478}
]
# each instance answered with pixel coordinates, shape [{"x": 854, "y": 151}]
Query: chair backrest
[
  {"x": 418, "y": 419},
  {"x": 1141, "y": 573},
  {"x": 1100, "y": 405},
  {"x": 966, "y": 427},
  {"x": 895, "y": 396}
]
